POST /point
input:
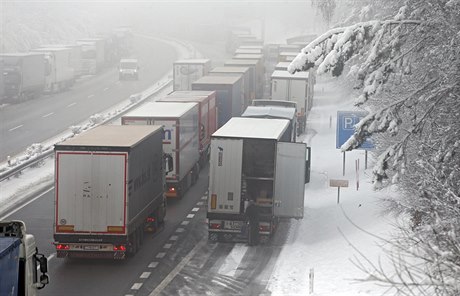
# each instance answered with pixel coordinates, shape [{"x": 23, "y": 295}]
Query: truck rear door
[{"x": 289, "y": 180}]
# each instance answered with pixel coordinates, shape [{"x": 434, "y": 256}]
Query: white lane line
[
  {"x": 177, "y": 269},
  {"x": 129, "y": 295},
  {"x": 70, "y": 105},
  {"x": 185, "y": 223},
  {"x": 195, "y": 209},
  {"x": 190, "y": 216},
  {"x": 204, "y": 197},
  {"x": 136, "y": 286},
  {"x": 12, "y": 129},
  {"x": 167, "y": 246},
  {"x": 49, "y": 114},
  {"x": 180, "y": 230},
  {"x": 145, "y": 275},
  {"x": 90, "y": 96},
  {"x": 153, "y": 264},
  {"x": 174, "y": 238},
  {"x": 200, "y": 203},
  {"x": 161, "y": 255},
  {"x": 27, "y": 203},
  {"x": 106, "y": 88}
]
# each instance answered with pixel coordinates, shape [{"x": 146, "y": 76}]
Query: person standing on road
[{"x": 252, "y": 215}]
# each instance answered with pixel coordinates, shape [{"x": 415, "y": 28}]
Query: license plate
[
  {"x": 91, "y": 248},
  {"x": 232, "y": 224}
]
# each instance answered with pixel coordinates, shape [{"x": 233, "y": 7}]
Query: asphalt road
[{"x": 37, "y": 120}]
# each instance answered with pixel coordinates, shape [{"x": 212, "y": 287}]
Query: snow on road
[{"x": 319, "y": 241}]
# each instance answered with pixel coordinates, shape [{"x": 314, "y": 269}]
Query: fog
[{"x": 28, "y": 24}]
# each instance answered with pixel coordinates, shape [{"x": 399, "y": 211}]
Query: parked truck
[
  {"x": 247, "y": 83},
  {"x": 75, "y": 56},
  {"x": 93, "y": 55},
  {"x": 185, "y": 72},
  {"x": 22, "y": 269},
  {"x": 253, "y": 159},
  {"x": 207, "y": 116},
  {"x": 293, "y": 87},
  {"x": 257, "y": 73},
  {"x": 109, "y": 189},
  {"x": 24, "y": 75},
  {"x": 180, "y": 140},
  {"x": 230, "y": 95},
  {"x": 59, "y": 73}
]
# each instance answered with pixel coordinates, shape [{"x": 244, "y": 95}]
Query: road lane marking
[
  {"x": 90, "y": 96},
  {"x": 177, "y": 269},
  {"x": 105, "y": 89},
  {"x": 49, "y": 114},
  {"x": 24, "y": 205},
  {"x": 195, "y": 209},
  {"x": 200, "y": 203},
  {"x": 167, "y": 246},
  {"x": 70, "y": 105},
  {"x": 153, "y": 264},
  {"x": 161, "y": 255},
  {"x": 173, "y": 238},
  {"x": 180, "y": 230},
  {"x": 185, "y": 223},
  {"x": 145, "y": 275},
  {"x": 204, "y": 197},
  {"x": 12, "y": 129},
  {"x": 190, "y": 216},
  {"x": 136, "y": 286}
]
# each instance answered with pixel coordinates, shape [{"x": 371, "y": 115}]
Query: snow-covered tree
[{"x": 406, "y": 62}]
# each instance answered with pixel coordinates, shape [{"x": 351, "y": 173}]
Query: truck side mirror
[
  {"x": 169, "y": 164},
  {"x": 43, "y": 264}
]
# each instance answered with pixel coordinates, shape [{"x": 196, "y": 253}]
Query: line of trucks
[
  {"x": 53, "y": 68},
  {"x": 112, "y": 182}
]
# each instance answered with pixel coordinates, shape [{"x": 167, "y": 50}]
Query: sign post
[{"x": 338, "y": 184}]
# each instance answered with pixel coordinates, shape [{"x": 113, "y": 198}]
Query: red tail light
[
  {"x": 62, "y": 247},
  {"x": 172, "y": 189},
  {"x": 150, "y": 219},
  {"x": 214, "y": 225},
  {"x": 264, "y": 228},
  {"x": 119, "y": 248}
]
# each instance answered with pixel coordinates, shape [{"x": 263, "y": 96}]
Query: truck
[
  {"x": 229, "y": 94},
  {"x": 180, "y": 140},
  {"x": 247, "y": 82},
  {"x": 75, "y": 56},
  {"x": 128, "y": 69},
  {"x": 185, "y": 72},
  {"x": 293, "y": 87},
  {"x": 93, "y": 55},
  {"x": 20, "y": 262},
  {"x": 257, "y": 76},
  {"x": 59, "y": 74},
  {"x": 110, "y": 184},
  {"x": 207, "y": 116},
  {"x": 253, "y": 159},
  {"x": 24, "y": 75}
]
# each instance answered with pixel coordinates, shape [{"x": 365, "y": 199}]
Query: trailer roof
[
  {"x": 161, "y": 110},
  {"x": 230, "y": 70},
  {"x": 217, "y": 80},
  {"x": 233, "y": 62},
  {"x": 192, "y": 61},
  {"x": 49, "y": 49},
  {"x": 301, "y": 75},
  {"x": 20, "y": 54},
  {"x": 191, "y": 93},
  {"x": 254, "y": 128},
  {"x": 282, "y": 65},
  {"x": 112, "y": 136},
  {"x": 251, "y": 47},
  {"x": 269, "y": 111},
  {"x": 248, "y": 56}
]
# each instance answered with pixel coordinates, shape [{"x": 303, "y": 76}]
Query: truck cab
[{"x": 128, "y": 69}]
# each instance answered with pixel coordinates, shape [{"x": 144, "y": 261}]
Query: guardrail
[{"x": 13, "y": 170}]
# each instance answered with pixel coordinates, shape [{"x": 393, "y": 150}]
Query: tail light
[
  {"x": 264, "y": 228},
  {"x": 62, "y": 247},
  {"x": 214, "y": 225},
  {"x": 172, "y": 189},
  {"x": 150, "y": 219},
  {"x": 119, "y": 248}
]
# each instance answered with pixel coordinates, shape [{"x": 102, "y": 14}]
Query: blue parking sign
[{"x": 346, "y": 121}]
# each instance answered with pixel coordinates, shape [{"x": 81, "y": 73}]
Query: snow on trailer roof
[
  {"x": 111, "y": 136},
  {"x": 269, "y": 111},
  {"x": 253, "y": 128},
  {"x": 248, "y": 56},
  {"x": 282, "y": 66},
  {"x": 192, "y": 61},
  {"x": 50, "y": 49},
  {"x": 217, "y": 80},
  {"x": 128, "y": 60},
  {"x": 161, "y": 110},
  {"x": 20, "y": 54},
  {"x": 190, "y": 93},
  {"x": 301, "y": 75},
  {"x": 242, "y": 62},
  {"x": 229, "y": 70}
]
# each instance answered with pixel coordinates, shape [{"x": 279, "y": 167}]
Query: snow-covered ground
[{"x": 324, "y": 240}]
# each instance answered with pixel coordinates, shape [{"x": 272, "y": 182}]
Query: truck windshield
[{"x": 128, "y": 65}]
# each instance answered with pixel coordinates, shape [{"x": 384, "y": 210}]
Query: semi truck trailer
[
  {"x": 253, "y": 159},
  {"x": 110, "y": 184},
  {"x": 185, "y": 72}
]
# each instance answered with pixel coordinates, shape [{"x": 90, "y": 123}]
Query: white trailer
[
  {"x": 247, "y": 83},
  {"x": 75, "y": 56},
  {"x": 109, "y": 189},
  {"x": 253, "y": 159},
  {"x": 59, "y": 73},
  {"x": 180, "y": 140},
  {"x": 293, "y": 87},
  {"x": 93, "y": 54},
  {"x": 186, "y": 72}
]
